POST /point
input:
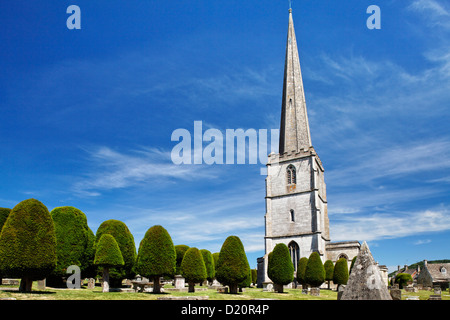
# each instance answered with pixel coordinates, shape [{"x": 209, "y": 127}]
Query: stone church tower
[{"x": 296, "y": 201}]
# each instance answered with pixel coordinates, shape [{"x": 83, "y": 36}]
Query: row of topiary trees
[
  {"x": 37, "y": 244},
  {"x": 310, "y": 271}
]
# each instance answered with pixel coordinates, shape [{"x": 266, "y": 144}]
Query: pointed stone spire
[
  {"x": 294, "y": 127},
  {"x": 365, "y": 281}
]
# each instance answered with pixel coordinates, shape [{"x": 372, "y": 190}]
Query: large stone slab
[{"x": 365, "y": 281}]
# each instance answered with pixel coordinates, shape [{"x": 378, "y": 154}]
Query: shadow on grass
[{"x": 37, "y": 292}]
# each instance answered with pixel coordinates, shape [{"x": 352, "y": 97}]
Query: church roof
[{"x": 294, "y": 127}]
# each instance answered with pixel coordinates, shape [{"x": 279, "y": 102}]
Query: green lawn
[{"x": 248, "y": 294}]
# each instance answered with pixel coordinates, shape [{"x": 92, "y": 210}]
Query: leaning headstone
[{"x": 365, "y": 281}]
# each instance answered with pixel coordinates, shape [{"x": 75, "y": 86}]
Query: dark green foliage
[
  {"x": 329, "y": 269},
  {"x": 209, "y": 264},
  {"x": 28, "y": 243},
  {"x": 301, "y": 268},
  {"x": 156, "y": 256},
  {"x": 351, "y": 265},
  {"x": 315, "y": 272},
  {"x": 232, "y": 265},
  {"x": 402, "y": 279},
  {"x": 180, "y": 249},
  {"x": 216, "y": 259},
  {"x": 340, "y": 275},
  {"x": 280, "y": 268},
  {"x": 4, "y": 213},
  {"x": 193, "y": 267},
  {"x": 254, "y": 276},
  {"x": 72, "y": 239},
  {"x": 108, "y": 252},
  {"x": 125, "y": 240},
  {"x": 247, "y": 281}
]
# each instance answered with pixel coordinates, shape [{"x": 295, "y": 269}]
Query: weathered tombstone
[
  {"x": 267, "y": 286},
  {"x": 179, "y": 282},
  {"x": 315, "y": 292},
  {"x": 365, "y": 281},
  {"x": 41, "y": 284},
  {"x": 341, "y": 289},
  {"x": 437, "y": 290},
  {"x": 304, "y": 291},
  {"x": 396, "y": 294},
  {"x": 91, "y": 283},
  {"x": 435, "y": 297}
]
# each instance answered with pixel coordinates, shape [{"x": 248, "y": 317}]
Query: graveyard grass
[{"x": 249, "y": 293}]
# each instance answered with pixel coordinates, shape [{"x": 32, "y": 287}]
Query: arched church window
[
  {"x": 343, "y": 255},
  {"x": 292, "y": 215},
  {"x": 291, "y": 175},
  {"x": 294, "y": 251}
]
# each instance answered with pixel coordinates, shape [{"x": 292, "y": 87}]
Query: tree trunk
[
  {"x": 25, "y": 284},
  {"x": 156, "y": 285},
  {"x": 105, "y": 285},
  {"x": 191, "y": 286},
  {"x": 233, "y": 288}
]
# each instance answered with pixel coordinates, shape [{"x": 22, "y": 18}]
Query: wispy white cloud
[
  {"x": 110, "y": 169},
  {"x": 389, "y": 226},
  {"x": 422, "y": 241}
]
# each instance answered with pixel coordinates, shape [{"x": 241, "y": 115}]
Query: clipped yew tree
[
  {"x": 73, "y": 245},
  {"x": 209, "y": 264},
  {"x": 301, "y": 268},
  {"x": 340, "y": 274},
  {"x": 314, "y": 272},
  {"x": 180, "y": 250},
  {"x": 125, "y": 240},
  {"x": 193, "y": 268},
  {"x": 280, "y": 268},
  {"x": 232, "y": 265},
  {"x": 4, "y": 213},
  {"x": 329, "y": 270},
  {"x": 156, "y": 256},
  {"x": 107, "y": 256},
  {"x": 28, "y": 243},
  {"x": 402, "y": 279}
]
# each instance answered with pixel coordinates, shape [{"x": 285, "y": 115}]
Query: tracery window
[{"x": 294, "y": 251}]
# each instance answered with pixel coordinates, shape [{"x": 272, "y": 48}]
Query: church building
[{"x": 296, "y": 200}]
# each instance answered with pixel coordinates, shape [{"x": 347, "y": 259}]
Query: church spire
[{"x": 294, "y": 127}]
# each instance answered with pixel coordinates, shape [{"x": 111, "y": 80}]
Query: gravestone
[
  {"x": 365, "y": 281},
  {"x": 179, "y": 282},
  {"x": 41, "y": 284},
  {"x": 437, "y": 290},
  {"x": 315, "y": 292},
  {"x": 91, "y": 283},
  {"x": 396, "y": 294}
]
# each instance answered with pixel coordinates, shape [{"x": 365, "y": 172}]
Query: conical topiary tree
[
  {"x": 301, "y": 268},
  {"x": 156, "y": 257},
  {"x": 107, "y": 255},
  {"x": 232, "y": 265},
  {"x": 280, "y": 268},
  {"x": 329, "y": 269},
  {"x": 193, "y": 267},
  {"x": 28, "y": 243},
  {"x": 209, "y": 264},
  {"x": 180, "y": 250},
  {"x": 314, "y": 272},
  {"x": 72, "y": 241},
  {"x": 125, "y": 240},
  {"x": 340, "y": 274},
  {"x": 4, "y": 213}
]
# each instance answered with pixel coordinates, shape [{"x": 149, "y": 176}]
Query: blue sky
[{"x": 87, "y": 115}]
